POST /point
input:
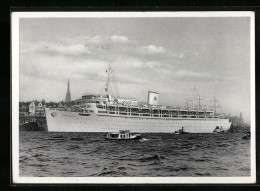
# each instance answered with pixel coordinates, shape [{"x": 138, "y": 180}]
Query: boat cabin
[{"x": 121, "y": 135}]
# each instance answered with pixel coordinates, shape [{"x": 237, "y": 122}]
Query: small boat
[
  {"x": 123, "y": 135},
  {"x": 247, "y": 136},
  {"x": 218, "y": 130},
  {"x": 181, "y": 131}
]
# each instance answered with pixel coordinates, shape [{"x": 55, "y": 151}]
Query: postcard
[{"x": 133, "y": 97}]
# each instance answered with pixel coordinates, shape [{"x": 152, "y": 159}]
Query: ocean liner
[{"x": 108, "y": 112}]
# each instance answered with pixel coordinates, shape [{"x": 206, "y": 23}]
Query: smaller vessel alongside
[
  {"x": 218, "y": 130},
  {"x": 123, "y": 135},
  {"x": 247, "y": 136},
  {"x": 181, "y": 131}
]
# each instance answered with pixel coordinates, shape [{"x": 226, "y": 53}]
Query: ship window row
[
  {"x": 150, "y": 118},
  {"x": 157, "y": 115},
  {"x": 134, "y": 120}
]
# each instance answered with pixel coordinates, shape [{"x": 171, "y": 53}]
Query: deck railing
[{"x": 157, "y": 115}]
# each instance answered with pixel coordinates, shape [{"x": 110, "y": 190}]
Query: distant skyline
[{"x": 166, "y": 55}]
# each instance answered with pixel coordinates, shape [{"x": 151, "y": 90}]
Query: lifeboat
[
  {"x": 247, "y": 136},
  {"x": 181, "y": 131},
  {"x": 218, "y": 130}
]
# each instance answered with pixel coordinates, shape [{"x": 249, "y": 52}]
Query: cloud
[
  {"x": 94, "y": 39},
  {"x": 187, "y": 73},
  {"x": 185, "y": 55},
  {"x": 122, "y": 39},
  {"x": 152, "y": 64},
  {"x": 75, "y": 49},
  {"x": 53, "y": 49},
  {"x": 199, "y": 76},
  {"x": 98, "y": 39},
  {"x": 152, "y": 49},
  {"x": 123, "y": 80},
  {"x": 83, "y": 45},
  {"x": 135, "y": 63}
]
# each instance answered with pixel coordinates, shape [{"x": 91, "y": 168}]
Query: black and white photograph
[{"x": 133, "y": 97}]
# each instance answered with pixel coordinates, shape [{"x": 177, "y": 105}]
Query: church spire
[{"x": 68, "y": 96}]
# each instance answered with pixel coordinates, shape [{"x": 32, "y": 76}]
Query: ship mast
[
  {"x": 216, "y": 105},
  {"x": 195, "y": 96},
  {"x": 111, "y": 84}
]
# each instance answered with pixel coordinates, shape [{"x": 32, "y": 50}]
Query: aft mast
[{"x": 111, "y": 84}]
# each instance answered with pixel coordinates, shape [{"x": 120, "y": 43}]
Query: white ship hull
[{"x": 65, "y": 121}]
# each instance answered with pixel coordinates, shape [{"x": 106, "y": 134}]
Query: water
[{"x": 46, "y": 154}]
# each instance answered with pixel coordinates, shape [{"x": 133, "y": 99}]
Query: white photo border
[{"x": 15, "y": 16}]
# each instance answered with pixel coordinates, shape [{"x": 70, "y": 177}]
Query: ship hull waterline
[{"x": 65, "y": 121}]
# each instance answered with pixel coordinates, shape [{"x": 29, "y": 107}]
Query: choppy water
[{"x": 89, "y": 154}]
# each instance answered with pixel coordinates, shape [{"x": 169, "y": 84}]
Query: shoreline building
[{"x": 68, "y": 96}]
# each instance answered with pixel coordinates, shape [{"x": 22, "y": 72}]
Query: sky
[{"x": 167, "y": 55}]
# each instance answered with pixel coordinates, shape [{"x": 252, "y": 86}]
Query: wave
[
  {"x": 157, "y": 155},
  {"x": 113, "y": 173},
  {"x": 245, "y": 169},
  {"x": 113, "y": 169},
  {"x": 153, "y": 157},
  {"x": 202, "y": 160},
  {"x": 77, "y": 139},
  {"x": 184, "y": 168},
  {"x": 187, "y": 144},
  {"x": 203, "y": 174},
  {"x": 143, "y": 140},
  {"x": 73, "y": 147},
  {"x": 224, "y": 145},
  {"x": 38, "y": 155},
  {"x": 121, "y": 168},
  {"x": 23, "y": 158},
  {"x": 42, "y": 147},
  {"x": 220, "y": 168},
  {"x": 57, "y": 139},
  {"x": 180, "y": 168}
]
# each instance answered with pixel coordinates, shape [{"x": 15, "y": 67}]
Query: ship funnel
[{"x": 153, "y": 98}]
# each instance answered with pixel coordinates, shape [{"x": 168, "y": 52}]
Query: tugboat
[
  {"x": 247, "y": 136},
  {"x": 218, "y": 130},
  {"x": 123, "y": 135},
  {"x": 181, "y": 131}
]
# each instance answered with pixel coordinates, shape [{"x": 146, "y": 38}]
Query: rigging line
[
  {"x": 111, "y": 89},
  {"x": 109, "y": 83},
  {"x": 116, "y": 87},
  {"x": 219, "y": 106},
  {"x": 113, "y": 83},
  {"x": 207, "y": 97},
  {"x": 107, "y": 70},
  {"x": 101, "y": 91}
]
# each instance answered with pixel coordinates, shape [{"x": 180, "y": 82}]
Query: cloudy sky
[{"x": 167, "y": 55}]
